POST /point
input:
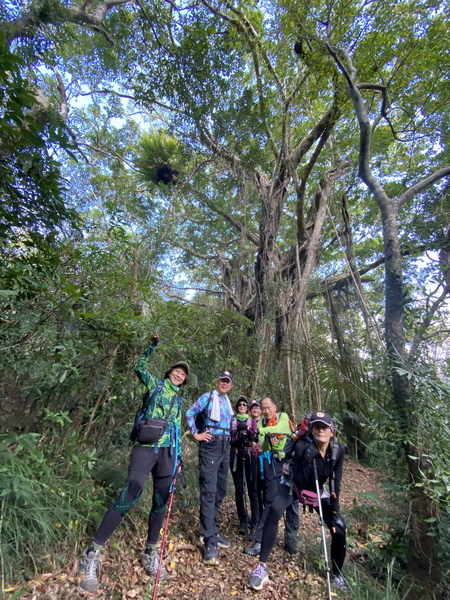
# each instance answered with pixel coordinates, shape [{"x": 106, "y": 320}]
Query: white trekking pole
[{"x": 324, "y": 538}]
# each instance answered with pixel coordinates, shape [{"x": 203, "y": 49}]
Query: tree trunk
[
  {"x": 422, "y": 541},
  {"x": 349, "y": 402}
]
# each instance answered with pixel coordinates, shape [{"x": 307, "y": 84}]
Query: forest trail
[{"x": 292, "y": 578}]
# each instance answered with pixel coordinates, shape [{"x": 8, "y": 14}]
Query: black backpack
[
  {"x": 200, "y": 418},
  {"x": 335, "y": 454}
]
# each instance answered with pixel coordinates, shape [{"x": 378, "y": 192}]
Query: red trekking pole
[{"x": 164, "y": 535}]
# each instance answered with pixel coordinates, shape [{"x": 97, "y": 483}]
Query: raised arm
[{"x": 141, "y": 367}]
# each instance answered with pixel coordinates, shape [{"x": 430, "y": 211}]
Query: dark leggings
[
  {"x": 272, "y": 476},
  {"x": 243, "y": 466},
  {"x": 284, "y": 499},
  {"x": 144, "y": 460}
]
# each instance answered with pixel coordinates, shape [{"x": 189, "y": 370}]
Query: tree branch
[
  {"x": 243, "y": 25},
  {"x": 194, "y": 252},
  {"x": 420, "y": 334},
  {"x": 342, "y": 280},
  {"x": 364, "y": 170},
  {"x": 421, "y": 185},
  {"x": 28, "y": 24},
  {"x": 233, "y": 161},
  {"x": 326, "y": 122}
]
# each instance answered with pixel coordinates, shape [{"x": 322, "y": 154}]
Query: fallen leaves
[{"x": 122, "y": 577}]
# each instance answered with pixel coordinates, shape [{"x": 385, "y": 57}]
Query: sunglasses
[{"x": 242, "y": 404}]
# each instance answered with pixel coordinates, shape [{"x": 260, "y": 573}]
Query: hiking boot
[
  {"x": 222, "y": 542},
  {"x": 253, "y": 550},
  {"x": 211, "y": 557},
  {"x": 90, "y": 565},
  {"x": 243, "y": 528},
  {"x": 259, "y": 578},
  {"x": 338, "y": 581},
  {"x": 291, "y": 549},
  {"x": 252, "y": 533},
  {"x": 150, "y": 562}
]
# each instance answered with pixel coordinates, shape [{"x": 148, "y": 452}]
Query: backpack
[
  {"x": 299, "y": 432},
  {"x": 305, "y": 497},
  {"x": 302, "y": 428},
  {"x": 200, "y": 418}
]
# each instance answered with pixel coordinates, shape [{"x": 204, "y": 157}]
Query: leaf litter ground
[{"x": 299, "y": 577}]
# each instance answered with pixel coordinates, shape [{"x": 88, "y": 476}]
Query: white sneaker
[{"x": 259, "y": 578}]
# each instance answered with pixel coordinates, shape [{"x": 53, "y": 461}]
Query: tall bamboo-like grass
[
  {"x": 43, "y": 512},
  {"x": 361, "y": 587}
]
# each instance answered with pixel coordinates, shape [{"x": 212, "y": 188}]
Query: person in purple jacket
[
  {"x": 244, "y": 432},
  {"x": 209, "y": 420}
]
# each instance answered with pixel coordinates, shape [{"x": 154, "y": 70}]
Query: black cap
[
  {"x": 320, "y": 417},
  {"x": 225, "y": 375}
]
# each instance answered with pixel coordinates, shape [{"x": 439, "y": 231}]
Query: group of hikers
[{"x": 281, "y": 470}]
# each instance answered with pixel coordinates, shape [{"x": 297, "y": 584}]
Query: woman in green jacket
[{"x": 158, "y": 457}]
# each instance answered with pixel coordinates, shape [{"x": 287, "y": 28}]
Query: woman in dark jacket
[
  {"x": 243, "y": 433},
  {"x": 156, "y": 456},
  {"x": 256, "y": 459},
  {"x": 318, "y": 447}
]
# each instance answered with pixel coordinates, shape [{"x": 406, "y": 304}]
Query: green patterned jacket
[{"x": 160, "y": 406}]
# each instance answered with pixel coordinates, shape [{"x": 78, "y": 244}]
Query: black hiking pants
[
  {"x": 242, "y": 466},
  {"x": 144, "y": 460},
  {"x": 286, "y": 498},
  {"x": 258, "y": 477},
  {"x": 214, "y": 461}
]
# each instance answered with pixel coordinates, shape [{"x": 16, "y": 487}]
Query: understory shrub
[{"x": 46, "y": 503}]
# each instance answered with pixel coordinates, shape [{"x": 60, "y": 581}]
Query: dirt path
[{"x": 292, "y": 578}]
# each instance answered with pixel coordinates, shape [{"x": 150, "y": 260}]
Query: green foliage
[
  {"x": 362, "y": 587},
  {"x": 31, "y": 188},
  {"x": 383, "y": 523},
  {"x": 432, "y": 429},
  {"x": 45, "y": 502},
  {"x": 159, "y": 157},
  {"x": 232, "y": 102}
]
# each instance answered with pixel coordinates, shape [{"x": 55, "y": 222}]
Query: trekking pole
[
  {"x": 245, "y": 487},
  {"x": 324, "y": 538},
  {"x": 164, "y": 536},
  {"x": 277, "y": 477}
]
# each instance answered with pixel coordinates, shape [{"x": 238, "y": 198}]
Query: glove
[
  {"x": 155, "y": 340},
  {"x": 334, "y": 505},
  {"x": 337, "y": 521},
  {"x": 286, "y": 469},
  {"x": 242, "y": 437}
]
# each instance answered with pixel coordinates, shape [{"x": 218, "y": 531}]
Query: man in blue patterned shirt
[{"x": 209, "y": 421}]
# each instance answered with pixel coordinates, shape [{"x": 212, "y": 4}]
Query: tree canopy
[{"x": 264, "y": 183}]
